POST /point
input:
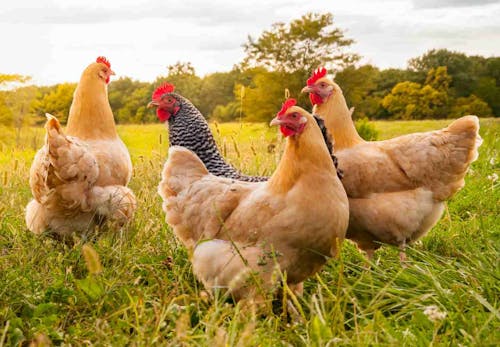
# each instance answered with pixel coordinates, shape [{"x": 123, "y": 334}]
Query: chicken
[
  {"x": 396, "y": 187},
  {"x": 188, "y": 128},
  {"x": 79, "y": 177},
  {"x": 236, "y": 229}
]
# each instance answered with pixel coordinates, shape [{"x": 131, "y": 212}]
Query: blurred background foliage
[{"x": 439, "y": 84}]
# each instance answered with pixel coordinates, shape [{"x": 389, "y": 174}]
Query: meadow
[{"x": 135, "y": 286}]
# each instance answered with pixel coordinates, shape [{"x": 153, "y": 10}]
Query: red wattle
[
  {"x": 315, "y": 99},
  {"x": 286, "y": 131},
  {"x": 163, "y": 115}
]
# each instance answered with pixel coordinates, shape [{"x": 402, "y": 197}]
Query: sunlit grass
[{"x": 146, "y": 294}]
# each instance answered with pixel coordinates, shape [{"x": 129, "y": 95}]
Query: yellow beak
[
  {"x": 307, "y": 89},
  {"x": 152, "y": 104},
  {"x": 275, "y": 121}
]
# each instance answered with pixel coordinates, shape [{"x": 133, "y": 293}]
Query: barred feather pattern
[
  {"x": 329, "y": 144},
  {"x": 189, "y": 129}
]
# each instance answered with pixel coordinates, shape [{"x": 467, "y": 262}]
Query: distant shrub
[
  {"x": 226, "y": 113},
  {"x": 470, "y": 105},
  {"x": 366, "y": 130}
]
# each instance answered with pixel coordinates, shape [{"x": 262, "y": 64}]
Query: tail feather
[
  {"x": 52, "y": 123},
  {"x": 468, "y": 126},
  {"x": 63, "y": 170},
  {"x": 62, "y": 179},
  {"x": 464, "y": 139}
]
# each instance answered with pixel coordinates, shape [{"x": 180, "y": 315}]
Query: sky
[{"x": 54, "y": 40}]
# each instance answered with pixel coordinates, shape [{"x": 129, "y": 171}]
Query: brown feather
[
  {"x": 397, "y": 187},
  {"x": 291, "y": 214}
]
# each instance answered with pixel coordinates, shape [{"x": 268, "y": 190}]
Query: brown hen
[
  {"x": 236, "y": 230},
  {"x": 79, "y": 177},
  {"x": 396, "y": 187}
]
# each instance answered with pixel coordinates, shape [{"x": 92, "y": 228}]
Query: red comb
[
  {"x": 104, "y": 61},
  {"x": 286, "y": 105},
  {"x": 162, "y": 89},
  {"x": 320, "y": 72}
]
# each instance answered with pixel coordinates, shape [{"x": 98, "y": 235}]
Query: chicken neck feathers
[{"x": 90, "y": 115}]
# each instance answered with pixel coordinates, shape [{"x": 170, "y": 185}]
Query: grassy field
[{"x": 146, "y": 294}]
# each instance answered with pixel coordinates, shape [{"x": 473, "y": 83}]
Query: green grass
[{"x": 147, "y": 295}]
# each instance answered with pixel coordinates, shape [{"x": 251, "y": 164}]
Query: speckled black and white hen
[{"x": 188, "y": 128}]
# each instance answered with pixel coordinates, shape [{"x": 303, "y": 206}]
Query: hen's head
[
  {"x": 320, "y": 87},
  {"x": 101, "y": 68},
  {"x": 291, "y": 119},
  {"x": 165, "y": 101}
]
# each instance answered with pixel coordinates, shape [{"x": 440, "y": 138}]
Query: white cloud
[
  {"x": 451, "y": 3},
  {"x": 54, "y": 40}
]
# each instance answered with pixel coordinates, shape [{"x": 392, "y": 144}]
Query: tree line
[{"x": 438, "y": 84}]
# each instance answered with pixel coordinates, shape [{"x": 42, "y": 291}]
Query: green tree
[
  {"x": 13, "y": 78},
  {"x": 490, "y": 94},
  {"x": 365, "y": 87},
  {"x": 410, "y": 100},
  {"x": 13, "y": 108},
  {"x": 134, "y": 109},
  {"x": 284, "y": 57},
  {"x": 301, "y": 45},
  {"x": 432, "y": 103},
  {"x": 438, "y": 79},
  {"x": 492, "y": 68},
  {"x": 402, "y": 101},
  {"x": 388, "y": 78},
  {"x": 118, "y": 91},
  {"x": 470, "y": 74},
  {"x": 6, "y": 115},
  {"x": 470, "y": 105},
  {"x": 359, "y": 85},
  {"x": 217, "y": 89},
  {"x": 263, "y": 97},
  {"x": 186, "y": 82},
  {"x": 19, "y": 102},
  {"x": 128, "y": 100},
  {"x": 227, "y": 113},
  {"x": 464, "y": 70},
  {"x": 488, "y": 90},
  {"x": 56, "y": 100}
]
